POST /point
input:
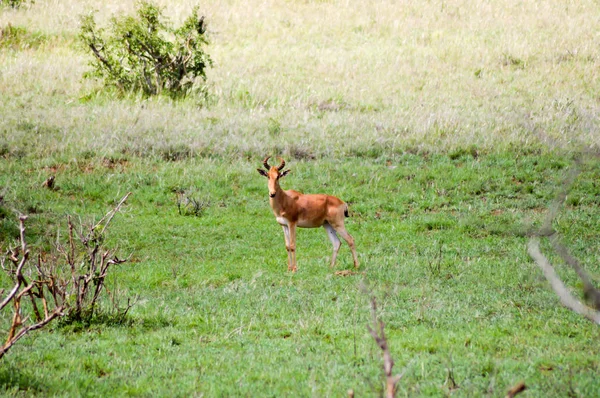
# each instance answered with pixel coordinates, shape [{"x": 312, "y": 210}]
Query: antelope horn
[
  {"x": 266, "y": 163},
  {"x": 282, "y": 165}
]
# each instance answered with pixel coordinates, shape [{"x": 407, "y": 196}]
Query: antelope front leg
[
  {"x": 286, "y": 234},
  {"x": 292, "y": 228}
]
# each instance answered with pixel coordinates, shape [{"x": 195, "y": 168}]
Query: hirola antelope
[{"x": 293, "y": 209}]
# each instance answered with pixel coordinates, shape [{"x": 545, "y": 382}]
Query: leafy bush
[{"x": 146, "y": 53}]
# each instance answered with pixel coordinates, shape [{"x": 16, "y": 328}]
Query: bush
[
  {"x": 65, "y": 283},
  {"x": 145, "y": 53}
]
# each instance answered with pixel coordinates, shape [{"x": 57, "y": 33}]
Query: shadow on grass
[{"x": 100, "y": 321}]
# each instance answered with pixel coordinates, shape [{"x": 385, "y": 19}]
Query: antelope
[{"x": 293, "y": 209}]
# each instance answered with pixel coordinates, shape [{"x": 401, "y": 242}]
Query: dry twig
[
  {"x": 566, "y": 298},
  {"x": 515, "y": 390},
  {"x": 378, "y": 333},
  {"x": 558, "y": 286},
  {"x": 39, "y": 290}
]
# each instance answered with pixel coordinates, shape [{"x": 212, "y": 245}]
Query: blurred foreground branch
[
  {"x": 378, "y": 333},
  {"x": 533, "y": 248}
]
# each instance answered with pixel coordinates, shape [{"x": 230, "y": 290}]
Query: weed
[{"x": 188, "y": 205}]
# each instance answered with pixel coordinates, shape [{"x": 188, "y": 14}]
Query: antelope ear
[
  {"x": 262, "y": 173},
  {"x": 283, "y": 174}
]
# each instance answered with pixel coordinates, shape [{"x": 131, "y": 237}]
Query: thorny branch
[{"x": 533, "y": 248}]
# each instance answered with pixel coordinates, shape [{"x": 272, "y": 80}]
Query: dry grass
[{"x": 334, "y": 77}]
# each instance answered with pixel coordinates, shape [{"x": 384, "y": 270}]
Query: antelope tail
[{"x": 346, "y": 213}]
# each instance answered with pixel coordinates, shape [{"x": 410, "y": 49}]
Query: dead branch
[
  {"x": 20, "y": 264},
  {"x": 36, "y": 291},
  {"x": 48, "y": 289},
  {"x": 109, "y": 216},
  {"x": 533, "y": 248},
  {"x": 18, "y": 322},
  {"x": 100, "y": 57},
  {"x": 589, "y": 291},
  {"x": 378, "y": 333},
  {"x": 558, "y": 286},
  {"x": 515, "y": 390},
  {"x": 88, "y": 277}
]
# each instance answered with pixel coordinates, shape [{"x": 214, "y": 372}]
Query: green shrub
[{"x": 145, "y": 53}]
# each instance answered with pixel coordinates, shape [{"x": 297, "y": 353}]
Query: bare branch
[
  {"x": 21, "y": 264},
  {"x": 109, "y": 216},
  {"x": 378, "y": 334},
  {"x": 34, "y": 290},
  {"x": 14, "y": 337},
  {"x": 100, "y": 57},
  {"x": 86, "y": 265},
  {"x": 534, "y": 251},
  {"x": 589, "y": 291},
  {"x": 558, "y": 286}
]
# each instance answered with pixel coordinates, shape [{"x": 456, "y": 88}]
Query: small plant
[
  {"x": 190, "y": 206},
  {"x": 145, "y": 53},
  {"x": 434, "y": 266}
]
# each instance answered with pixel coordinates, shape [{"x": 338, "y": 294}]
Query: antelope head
[{"x": 273, "y": 173}]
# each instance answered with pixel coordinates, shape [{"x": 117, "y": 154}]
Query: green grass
[
  {"x": 442, "y": 246},
  {"x": 447, "y": 128}
]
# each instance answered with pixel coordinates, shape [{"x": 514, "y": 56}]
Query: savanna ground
[{"x": 447, "y": 127}]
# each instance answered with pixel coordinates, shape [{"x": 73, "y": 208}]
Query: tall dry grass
[{"x": 324, "y": 78}]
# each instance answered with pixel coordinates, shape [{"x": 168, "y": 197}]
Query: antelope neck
[{"x": 279, "y": 201}]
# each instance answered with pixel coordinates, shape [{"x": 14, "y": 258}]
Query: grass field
[{"x": 448, "y": 128}]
